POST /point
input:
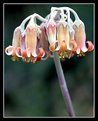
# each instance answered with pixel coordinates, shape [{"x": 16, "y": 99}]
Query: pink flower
[
  {"x": 14, "y": 49},
  {"x": 80, "y": 38},
  {"x": 55, "y": 34},
  {"x": 62, "y": 43},
  {"x": 26, "y": 46}
]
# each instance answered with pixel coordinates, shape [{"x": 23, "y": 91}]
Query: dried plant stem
[{"x": 63, "y": 86}]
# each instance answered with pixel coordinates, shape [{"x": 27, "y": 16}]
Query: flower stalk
[{"x": 63, "y": 86}]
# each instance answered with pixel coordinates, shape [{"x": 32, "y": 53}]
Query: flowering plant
[
  {"x": 57, "y": 33},
  {"x": 58, "y": 37}
]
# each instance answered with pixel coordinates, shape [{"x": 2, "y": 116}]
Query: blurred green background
[{"x": 33, "y": 89}]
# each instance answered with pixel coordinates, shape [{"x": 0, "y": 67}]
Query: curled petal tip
[
  {"x": 74, "y": 45},
  {"x": 28, "y": 52},
  {"x": 38, "y": 59},
  {"x": 41, "y": 52},
  {"x": 78, "y": 51},
  {"x": 90, "y": 46},
  {"x": 54, "y": 46},
  {"x": 46, "y": 56},
  {"x": 9, "y": 50},
  {"x": 84, "y": 49},
  {"x": 18, "y": 52},
  {"x": 24, "y": 53}
]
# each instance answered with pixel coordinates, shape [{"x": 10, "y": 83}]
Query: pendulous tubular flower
[{"x": 57, "y": 33}]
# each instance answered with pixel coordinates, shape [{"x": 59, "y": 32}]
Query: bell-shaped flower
[
  {"x": 64, "y": 44},
  {"x": 63, "y": 35},
  {"x": 33, "y": 51},
  {"x": 14, "y": 49},
  {"x": 80, "y": 38},
  {"x": 26, "y": 45},
  {"x": 51, "y": 34},
  {"x": 44, "y": 41}
]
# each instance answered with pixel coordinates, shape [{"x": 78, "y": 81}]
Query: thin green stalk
[{"x": 63, "y": 86}]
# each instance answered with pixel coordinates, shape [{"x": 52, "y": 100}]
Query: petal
[
  {"x": 29, "y": 51},
  {"x": 34, "y": 54},
  {"x": 43, "y": 38},
  {"x": 22, "y": 43},
  {"x": 71, "y": 35},
  {"x": 80, "y": 37},
  {"x": 31, "y": 38},
  {"x": 9, "y": 50},
  {"x": 41, "y": 52},
  {"x": 38, "y": 59},
  {"x": 46, "y": 56},
  {"x": 90, "y": 46},
  {"x": 84, "y": 49},
  {"x": 51, "y": 31},
  {"x": 78, "y": 51},
  {"x": 18, "y": 52},
  {"x": 16, "y": 37},
  {"x": 74, "y": 44},
  {"x": 54, "y": 46},
  {"x": 24, "y": 53},
  {"x": 63, "y": 33},
  {"x": 63, "y": 46}
]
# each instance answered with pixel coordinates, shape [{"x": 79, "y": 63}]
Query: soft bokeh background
[{"x": 33, "y": 89}]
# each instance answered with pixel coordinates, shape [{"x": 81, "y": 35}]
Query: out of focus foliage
[{"x": 33, "y": 89}]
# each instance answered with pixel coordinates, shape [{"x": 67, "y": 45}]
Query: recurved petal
[
  {"x": 9, "y": 50},
  {"x": 24, "y": 53},
  {"x": 90, "y": 46},
  {"x": 18, "y": 52},
  {"x": 55, "y": 46},
  {"x": 46, "y": 56},
  {"x": 73, "y": 45},
  {"x": 40, "y": 54}
]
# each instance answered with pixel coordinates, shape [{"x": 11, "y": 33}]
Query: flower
[
  {"x": 80, "y": 38},
  {"x": 26, "y": 45},
  {"x": 57, "y": 33},
  {"x": 14, "y": 49}
]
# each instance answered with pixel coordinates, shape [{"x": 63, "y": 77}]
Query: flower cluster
[{"x": 57, "y": 33}]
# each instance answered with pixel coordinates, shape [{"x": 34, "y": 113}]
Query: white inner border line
[{"x": 93, "y": 55}]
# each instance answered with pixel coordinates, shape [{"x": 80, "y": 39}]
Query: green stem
[{"x": 63, "y": 86}]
